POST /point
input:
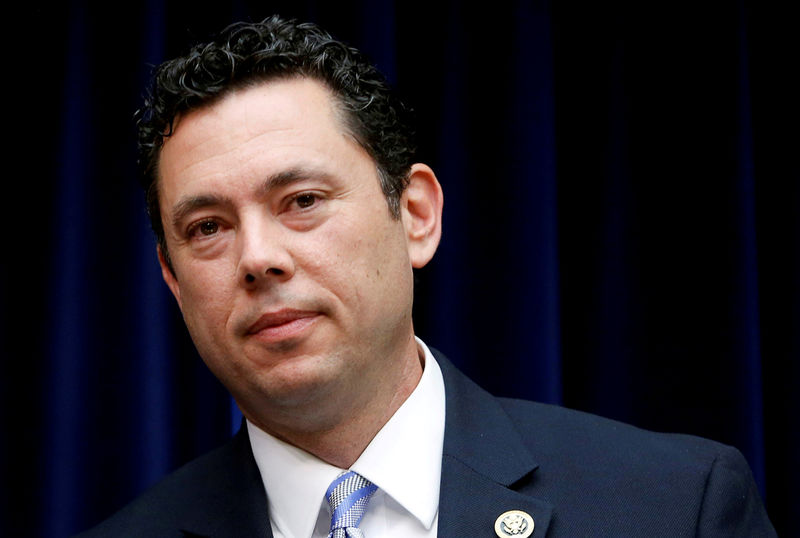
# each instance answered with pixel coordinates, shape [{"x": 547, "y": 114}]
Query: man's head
[
  {"x": 248, "y": 54},
  {"x": 293, "y": 277}
]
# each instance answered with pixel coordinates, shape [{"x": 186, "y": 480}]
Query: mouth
[{"x": 282, "y": 325}]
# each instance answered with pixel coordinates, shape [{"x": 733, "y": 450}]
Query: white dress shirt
[{"x": 404, "y": 460}]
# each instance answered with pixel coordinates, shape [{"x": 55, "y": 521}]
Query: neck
[{"x": 341, "y": 437}]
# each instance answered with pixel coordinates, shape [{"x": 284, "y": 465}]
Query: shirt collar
[{"x": 404, "y": 460}]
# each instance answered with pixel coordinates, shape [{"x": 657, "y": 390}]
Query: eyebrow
[
  {"x": 189, "y": 204},
  {"x": 292, "y": 175},
  {"x": 185, "y": 206}
]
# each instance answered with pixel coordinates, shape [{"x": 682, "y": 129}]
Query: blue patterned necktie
[{"x": 348, "y": 496}]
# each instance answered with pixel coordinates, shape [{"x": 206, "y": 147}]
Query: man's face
[{"x": 293, "y": 278}]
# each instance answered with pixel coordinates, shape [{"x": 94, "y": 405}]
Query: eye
[
  {"x": 305, "y": 200},
  {"x": 206, "y": 227}
]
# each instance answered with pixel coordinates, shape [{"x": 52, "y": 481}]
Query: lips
[{"x": 282, "y": 324}]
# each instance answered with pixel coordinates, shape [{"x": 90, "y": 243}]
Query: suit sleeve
[{"x": 731, "y": 505}]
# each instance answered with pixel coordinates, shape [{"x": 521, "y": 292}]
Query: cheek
[
  {"x": 366, "y": 263},
  {"x": 352, "y": 250},
  {"x": 205, "y": 293}
]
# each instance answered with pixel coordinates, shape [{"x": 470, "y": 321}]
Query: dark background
[{"x": 621, "y": 230}]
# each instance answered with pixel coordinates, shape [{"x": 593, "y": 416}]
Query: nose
[{"x": 265, "y": 256}]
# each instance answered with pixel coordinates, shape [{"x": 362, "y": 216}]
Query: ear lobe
[
  {"x": 422, "y": 214},
  {"x": 169, "y": 277}
]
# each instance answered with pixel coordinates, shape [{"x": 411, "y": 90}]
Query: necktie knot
[{"x": 348, "y": 496}]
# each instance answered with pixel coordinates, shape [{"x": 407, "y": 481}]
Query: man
[{"x": 289, "y": 215}]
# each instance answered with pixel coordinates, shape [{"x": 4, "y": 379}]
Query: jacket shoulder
[
  {"x": 642, "y": 473},
  {"x": 160, "y": 509},
  {"x": 555, "y": 428},
  {"x": 196, "y": 498}
]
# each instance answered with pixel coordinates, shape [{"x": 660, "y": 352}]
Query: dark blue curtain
[{"x": 621, "y": 230}]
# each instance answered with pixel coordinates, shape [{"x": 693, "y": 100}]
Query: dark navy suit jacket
[{"x": 576, "y": 474}]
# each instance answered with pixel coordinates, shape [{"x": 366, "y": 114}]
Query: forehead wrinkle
[{"x": 227, "y": 153}]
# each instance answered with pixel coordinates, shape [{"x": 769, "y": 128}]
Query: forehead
[
  {"x": 258, "y": 130},
  {"x": 289, "y": 105}
]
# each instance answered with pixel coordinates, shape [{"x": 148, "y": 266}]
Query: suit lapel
[{"x": 484, "y": 462}]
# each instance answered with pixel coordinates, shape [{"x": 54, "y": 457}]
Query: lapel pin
[{"x": 514, "y": 523}]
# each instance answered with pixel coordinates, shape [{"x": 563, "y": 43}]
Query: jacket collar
[{"x": 484, "y": 460}]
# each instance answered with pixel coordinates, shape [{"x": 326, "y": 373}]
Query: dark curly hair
[{"x": 246, "y": 54}]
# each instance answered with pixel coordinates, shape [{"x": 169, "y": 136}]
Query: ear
[
  {"x": 421, "y": 207},
  {"x": 169, "y": 277}
]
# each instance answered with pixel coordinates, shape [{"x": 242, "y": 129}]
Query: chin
[{"x": 294, "y": 382}]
